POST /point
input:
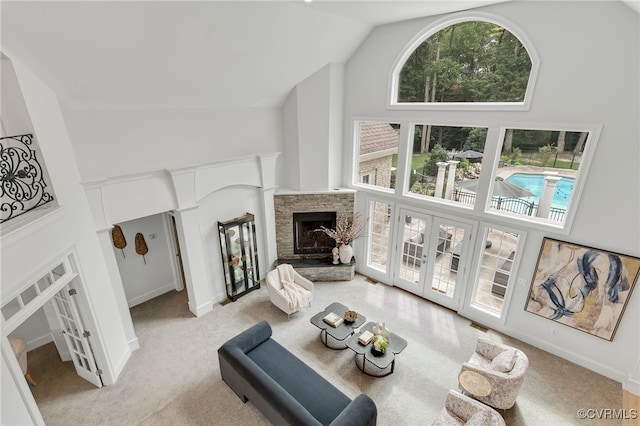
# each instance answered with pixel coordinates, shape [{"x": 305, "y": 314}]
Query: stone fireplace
[{"x": 297, "y": 216}]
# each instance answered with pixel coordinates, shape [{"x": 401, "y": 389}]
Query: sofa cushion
[
  {"x": 504, "y": 361},
  {"x": 323, "y": 400}
]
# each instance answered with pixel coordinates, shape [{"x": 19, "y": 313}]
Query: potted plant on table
[
  {"x": 347, "y": 229},
  {"x": 380, "y": 344}
]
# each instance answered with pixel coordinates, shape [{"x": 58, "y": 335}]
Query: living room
[{"x": 111, "y": 163}]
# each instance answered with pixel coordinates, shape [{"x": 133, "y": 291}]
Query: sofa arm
[
  {"x": 361, "y": 411},
  {"x": 251, "y": 337}
]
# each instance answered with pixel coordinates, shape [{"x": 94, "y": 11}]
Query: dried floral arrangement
[{"x": 347, "y": 229}]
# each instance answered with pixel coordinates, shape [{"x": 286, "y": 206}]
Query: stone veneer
[{"x": 342, "y": 202}]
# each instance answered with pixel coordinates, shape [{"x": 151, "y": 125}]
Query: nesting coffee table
[
  {"x": 334, "y": 337},
  {"x": 376, "y": 365}
]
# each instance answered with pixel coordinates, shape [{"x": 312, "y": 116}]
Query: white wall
[
  {"x": 15, "y": 118},
  {"x": 111, "y": 142},
  {"x": 144, "y": 281},
  {"x": 224, "y": 205},
  {"x": 312, "y": 117},
  {"x": 32, "y": 248},
  {"x": 35, "y": 330},
  {"x": 585, "y": 78}
]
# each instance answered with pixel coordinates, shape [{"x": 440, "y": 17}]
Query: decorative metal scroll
[{"x": 21, "y": 178}]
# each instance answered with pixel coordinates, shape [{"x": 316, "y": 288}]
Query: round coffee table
[{"x": 474, "y": 383}]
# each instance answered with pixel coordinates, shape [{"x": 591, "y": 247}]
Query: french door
[
  {"x": 432, "y": 257},
  {"x": 76, "y": 336}
]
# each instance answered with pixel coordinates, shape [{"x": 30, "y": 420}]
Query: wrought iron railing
[
  {"x": 513, "y": 205},
  {"x": 21, "y": 176}
]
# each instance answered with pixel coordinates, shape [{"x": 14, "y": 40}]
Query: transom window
[{"x": 469, "y": 62}]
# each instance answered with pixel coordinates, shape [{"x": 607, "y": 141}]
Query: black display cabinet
[{"x": 239, "y": 255}]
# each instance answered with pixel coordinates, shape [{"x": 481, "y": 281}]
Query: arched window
[{"x": 475, "y": 62}]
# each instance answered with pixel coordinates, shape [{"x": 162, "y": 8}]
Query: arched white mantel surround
[{"x": 124, "y": 198}]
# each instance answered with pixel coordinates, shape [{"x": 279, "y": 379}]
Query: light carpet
[{"x": 174, "y": 378}]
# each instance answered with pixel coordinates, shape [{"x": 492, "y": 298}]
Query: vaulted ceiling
[{"x": 192, "y": 54}]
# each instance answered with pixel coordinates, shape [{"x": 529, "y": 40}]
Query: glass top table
[
  {"x": 373, "y": 364},
  {"x": 334, "y": 337}
]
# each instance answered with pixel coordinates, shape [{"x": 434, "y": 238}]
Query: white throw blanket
[{"x": 297, "y": 296}]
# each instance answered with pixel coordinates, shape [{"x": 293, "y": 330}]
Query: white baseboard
[
  {"x": 151, "y": 294},
  {"x": 39, "y": 341}
]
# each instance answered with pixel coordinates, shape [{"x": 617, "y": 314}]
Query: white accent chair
[
  {"x": 277, "y": 294},
  {"x": 505, "y": 368},
  {"x": 460, "y": 409}
]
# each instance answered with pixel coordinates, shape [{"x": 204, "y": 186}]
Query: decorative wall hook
[
  {"x": 141, "y": 246},
  {"x": 118, "y": 239}
]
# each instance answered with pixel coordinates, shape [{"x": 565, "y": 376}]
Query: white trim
[
  {"x": 377, "y": 154},
  {"x": 171, "y": 286},
  {"x": 14, "y": 230},
  {"x": 18, "y": 378},
  {"x": 447, "y": 21}
]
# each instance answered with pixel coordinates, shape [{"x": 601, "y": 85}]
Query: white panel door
[{"x": 76, "y": 336}]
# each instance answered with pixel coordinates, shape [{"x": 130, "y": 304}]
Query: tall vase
[{"x": 346, "y": 253}]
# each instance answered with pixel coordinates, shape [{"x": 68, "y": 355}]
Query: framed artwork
[{"x": 582, "y": 287}]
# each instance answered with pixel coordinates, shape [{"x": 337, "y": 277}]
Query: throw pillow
[
  {"x": 481, "y": 418},
  {"x": 504, "y": 361}
]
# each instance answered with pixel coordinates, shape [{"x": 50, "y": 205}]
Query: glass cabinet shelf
[{"x": 239, "y": 255}]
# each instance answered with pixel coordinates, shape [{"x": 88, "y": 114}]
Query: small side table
[{"x": 474, "y": 383}]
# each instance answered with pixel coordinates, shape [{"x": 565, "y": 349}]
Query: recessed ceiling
[{"x": 184, "y": 54}]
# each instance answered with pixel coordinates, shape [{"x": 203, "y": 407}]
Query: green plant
[{"x": 380, "y": 343}]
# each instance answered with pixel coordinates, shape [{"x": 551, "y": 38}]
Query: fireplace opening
[{"x": 305, "y": 239}]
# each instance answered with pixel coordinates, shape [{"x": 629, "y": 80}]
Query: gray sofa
[{"x": 282, "y": 387}]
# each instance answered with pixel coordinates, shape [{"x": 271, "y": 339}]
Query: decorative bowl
[
  {"x": 350, "y": 316},
  {"x": 376, "y": 352}
]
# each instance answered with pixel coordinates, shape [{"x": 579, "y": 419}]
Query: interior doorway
[
  {"x": 48, "y": 309},
  {"x": 159, "y": 270}
]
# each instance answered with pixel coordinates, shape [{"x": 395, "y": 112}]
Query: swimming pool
[{"x": 535, "y": 183}]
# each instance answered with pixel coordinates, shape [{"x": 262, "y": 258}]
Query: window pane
[
  {"x": 377, "y": 153},
  {"x": 378, "y": 252},
  {"x": 495, "y": 269},
  {"x": 466, "y": 62},
  {"x": 536, "y": 173},
  {"x": 442, "y": 156}
]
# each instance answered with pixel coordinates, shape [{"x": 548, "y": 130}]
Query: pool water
[{"x": 535, "y": 183}]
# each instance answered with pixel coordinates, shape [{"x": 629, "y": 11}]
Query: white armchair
[
  {"x": 505, "y": 368},
  {"x": 460, "y": 409},
  {"x": 281, "y": 297}
]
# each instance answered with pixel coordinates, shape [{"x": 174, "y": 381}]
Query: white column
[
  {"x": 269, "y": 254},
  {"x": 546, "y": 197},
  {"x": 451, "y": 177},
  {"x": 198, "y": 288},
  {"x": 440, "y": 179},
  {"x": 106, "y": 244}
]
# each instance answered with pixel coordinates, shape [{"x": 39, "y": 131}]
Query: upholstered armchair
[
  {"x": 504, "y": 367},
  {"x": 288, "y": 290},
  {"x": 460, "y": 409}
]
